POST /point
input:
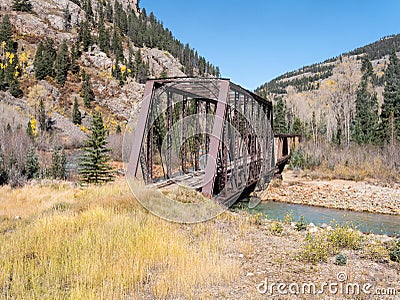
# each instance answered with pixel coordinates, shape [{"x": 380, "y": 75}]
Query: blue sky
[{"x": 255, "y": 41}]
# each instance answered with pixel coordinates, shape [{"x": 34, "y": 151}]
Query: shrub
[
  {"x": 315, "y": 249},
  {"x": 341, "y": 259},
  {"x": 375, "y": 250},
  {"x": 276, "y": 228},
  {"x": 288, "y": 217},
  {"x": 301, "y": 224},
  {"x": 395, "y": 253},
  {"x": 303, "y": 160},
  {"x": 318, "y": 247},
  {"x": 345, "y": 237}
]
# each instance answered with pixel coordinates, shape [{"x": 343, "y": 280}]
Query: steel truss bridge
[{"x": 207, "y": 134}]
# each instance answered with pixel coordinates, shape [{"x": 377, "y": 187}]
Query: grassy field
[{"x": 58, "y": 241}]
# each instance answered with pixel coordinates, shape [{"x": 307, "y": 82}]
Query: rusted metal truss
[{"x": 209, "y": 134}]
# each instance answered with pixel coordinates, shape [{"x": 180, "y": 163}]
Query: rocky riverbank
[{"x": 340, "y": 194}]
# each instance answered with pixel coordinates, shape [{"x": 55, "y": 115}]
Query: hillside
[
  {"x": 99, "y": 53},
  {"x": 322, "y": 95}
]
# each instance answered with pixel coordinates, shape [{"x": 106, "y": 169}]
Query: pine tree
[
  {"x": 62, "y": 173},
  {"x": 22, "y": 5},
  {"x": 280, "y": 125},
  {"x": 44, "y": 59},
  {"x": 76, "y": 114},
  {"x": 104, "y": 34},
  {"x": 42, "y": 116},
  {"x": 84, "y": 35},
  {"x": 164, "y": 73},
  {"x": 67, "y": 18},
  {"x": 55, "y": 160},
  {"x": 75, "y": 54},
  {"x": 109, "y": 12},
  {"x": 118, "y": 130},
  {"x": 62, "y": 64},
  {"x": 3, "y": 169},
  {"x": 390, "y": 114},
  {"x": 29, "y": 130},
  {"x": 58, "y": 168},
  {"x": 6, "y": 34},
  {"x": 88, "y": 10},
  {"x": 15, "y": 88},
  {"x": 32, "y": 166},
  {"x": 141, "y": 69},
  {"x": 117, "y": 46},
  {"x": 86, "y": 91},
  {"x": 366, "y": 117},
  {"x": 297, "y": 127},
  {"x": 94, "y": 165}
]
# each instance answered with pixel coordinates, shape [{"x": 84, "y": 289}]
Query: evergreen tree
[
  {"x": 4, "y": 176},
  {"x": 280, "y": 125},
  {"x": 104, "y": 34},
  {"x": 32, "y": 166},
  {"x": 42, "y": 116},
  {"x": 67, "y": 18},
  {"x": 6, "y": 34},
  {"x": 118, "y": 130},
  {"x": 141, "y": 69},
  {"x": 109, "y": 12},
  {"x": 88, "y": 10},
  {"x": 58, "y": 168},
  {"x": 117, "y": 46},
  {"x": 62, "y": 64},
  {"x": 15, "y": 89},
  {"x": 76, "y": 114},
  {"x": 75, "y": 54},
  {"x": 55, "y": 160},
  {"x": 62, "y": 173},
  {"x": 366, "y": 117},
  {"x": 164, "y": 73},
  {"x": 29, "y": 129},
  {"x": 297, "y": 127},
  {"x": 94, "y": 165},
  {"x": 390, "y": 114},
  {"x": 44, "y": 59},
  {"x": 22, "y": 5},
  {"x": 86, "y": 91},
  {"x": 84, "y": 35}
]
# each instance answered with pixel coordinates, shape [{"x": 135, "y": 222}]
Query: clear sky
[{"x": 255, "y": 41}]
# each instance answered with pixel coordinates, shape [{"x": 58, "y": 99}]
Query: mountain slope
[
  {"x": 323, "y": 95},
  {"x": 144, "y": 41}
]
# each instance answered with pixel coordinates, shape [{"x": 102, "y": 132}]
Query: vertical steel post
[
  {"x": 169, "y": 134},
  {"x": 196, "y": 136},
  {"x": 183, "y": 147},
  {"x": 140, "y": 130},
  {"x": 236, "y": 140}
]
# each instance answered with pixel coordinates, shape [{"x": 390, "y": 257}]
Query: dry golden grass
[
  {"x": 98, "y": 243},
  {"x": 353, "y": 162}
]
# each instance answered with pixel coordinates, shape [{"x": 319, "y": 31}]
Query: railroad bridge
[{"x": 208, "y": 134}]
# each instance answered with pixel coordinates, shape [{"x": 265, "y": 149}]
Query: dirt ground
[{"x": 268, "y": 259}]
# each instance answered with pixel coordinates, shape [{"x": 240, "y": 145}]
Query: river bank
[{"x": 339, "y": 194}]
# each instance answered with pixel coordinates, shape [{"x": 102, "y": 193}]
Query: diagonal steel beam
[{"x": 215, "y": 138}]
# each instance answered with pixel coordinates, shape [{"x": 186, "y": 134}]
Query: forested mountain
[
  {"x": 354, "y": 97},
  {"x": 308, "y": 77},
  {"x": 61, "y": 62}
]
